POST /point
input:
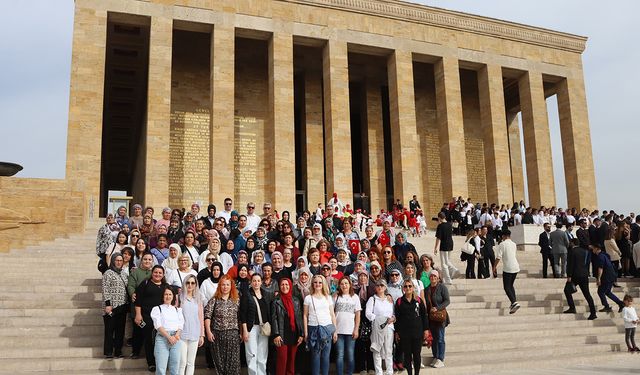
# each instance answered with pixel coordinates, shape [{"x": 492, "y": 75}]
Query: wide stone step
[
  {"x": 495, "y": 356},
  {"x": 43, "y": 321},
  {"x": 49, "y": 312},
  {"x": 27, "y": 343},
  {"x": 45, "y": 297},
  {"x": 542, "y": 361},
  {"x": 50, "y": 303},
  {"x": 52, "y": 352},
  {"x": 469, "y": 326},
  {"x": 488, "y": 344},
  {"x": 52, "y": 331},
  {"x": 68, "y": 288}
]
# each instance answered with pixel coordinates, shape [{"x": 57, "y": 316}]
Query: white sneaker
[
  {"x": 438, "y": 364},
  {"x": 433, "y": 362},
  {"x": 514, "y": 308}
]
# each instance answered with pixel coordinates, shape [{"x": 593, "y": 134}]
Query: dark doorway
[
  {"x": 124, "y": 108},
  {"x": 356, "y": 108},
  {"x": 388, "y": 154}
]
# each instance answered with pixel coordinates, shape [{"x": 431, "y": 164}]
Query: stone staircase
[{"x": 50, "y": 318}]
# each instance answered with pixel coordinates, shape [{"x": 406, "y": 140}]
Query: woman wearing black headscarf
[
  {"x": 243, "y": 280},
  {"x": 115, "y": 306},
  {"x": 207, "y": 290}
]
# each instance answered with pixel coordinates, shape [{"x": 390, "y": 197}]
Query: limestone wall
[{"x": 34, "y": 210}]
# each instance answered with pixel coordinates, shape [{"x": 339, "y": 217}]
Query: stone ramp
[{"x": 51, "y": 319}]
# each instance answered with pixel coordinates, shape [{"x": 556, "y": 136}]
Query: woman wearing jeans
[
  {"x": 193, "y": 332},
  {"x": 347, "y": 310},
  {"x": 437, "y": 298},
  {"x": 319, "y": 325},
  {"x": 168, "y": 322}
]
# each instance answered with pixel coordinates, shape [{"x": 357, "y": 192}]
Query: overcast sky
[{"x": 35, "y": 61}]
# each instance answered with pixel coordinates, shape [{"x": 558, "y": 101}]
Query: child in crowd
[{"x": 630, "y": 318}]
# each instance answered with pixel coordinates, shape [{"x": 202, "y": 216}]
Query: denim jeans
[
  {"x": 437, "y": 348},
  {"x": 344, "y": 345},
  {"x": 166, "y": 353},
  {"x": 320, "y": 361}
]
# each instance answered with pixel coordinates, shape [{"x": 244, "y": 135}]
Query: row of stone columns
[{"x": 502, "y": 177}]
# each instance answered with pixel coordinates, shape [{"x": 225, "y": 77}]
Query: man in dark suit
[
  {"x": 544, "y": 241},
  {"x": 583, "y": 234},
  {"x": 578, "y": 275}
]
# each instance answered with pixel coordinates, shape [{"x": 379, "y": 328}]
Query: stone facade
[{"x": 265, "y": 70}]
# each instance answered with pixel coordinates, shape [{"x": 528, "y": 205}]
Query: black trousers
[
  {"x": 547, "y": 260},
  {"x": 508, "y": 279},
  {"x": 489, "y": 257},
  {"x": 411, "y": 348},
  {"x": 363, "y": 356},
  {"x": 471, "y": 264},
  {"x": 583, "y": 284},
  {"x": 144, "y": 337},
  {"x": 114, "y": 331}
]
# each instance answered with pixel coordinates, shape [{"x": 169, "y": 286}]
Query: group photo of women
[{"x": 277, "y": 294}]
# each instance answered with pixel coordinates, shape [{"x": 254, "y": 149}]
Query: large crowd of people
[{"x": 278, "y": 294}]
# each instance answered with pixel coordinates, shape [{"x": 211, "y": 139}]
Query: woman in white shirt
[
  {"x": 380, "y": 312},
  {"x": 177, "y": 277},
  {"x": 193, "y": 332},
  {"x": 319, "y": 325},
  {"x": 168, "y": 321},
  {"x": 347, "y": 310}
]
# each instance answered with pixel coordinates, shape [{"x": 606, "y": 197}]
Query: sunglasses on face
[
  {"x": 317, "y": 282},
  {"x": 135, "y": 235},
  {"x": 387, "y": 252},
  {"x": 210, "y": 260},
  {"x": 407, "y": 287},
  {"x": 190, "y": 283}
]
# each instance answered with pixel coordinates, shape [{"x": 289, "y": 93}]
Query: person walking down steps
[{"x": 506, "y": 253}]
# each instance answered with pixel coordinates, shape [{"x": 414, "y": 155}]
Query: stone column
[
  {"x": 221, "y": 176},
  {"x": 156, "y": 186},
  {"x": 337, "y": 128},
  {"x": 404, "y": 135},
  {"x": 283, "y": 164},
  {"x": 451, "y": 128},
  {"x": 576, "y": 141},
  {"x": 515, "y": 154},
  {"x": 375, "y": 147},
  {"x": 495, "y": 137},
  {"x": 86, "y": 99},
  {"x": 537, "y": 141},
  {"x": 314, "y": 141}
]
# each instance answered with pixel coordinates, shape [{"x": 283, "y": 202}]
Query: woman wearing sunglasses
[
  {"x": 411, "y": 325},
  {"x": 193, "y": 332}
]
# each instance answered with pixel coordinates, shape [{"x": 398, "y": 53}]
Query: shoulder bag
[
  {"x": 439, "y": 316},
  {"x": 265, "y": 327}
]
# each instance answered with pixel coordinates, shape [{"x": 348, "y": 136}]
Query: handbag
[
  {"x": 102, "y": 264},
  {"x": 439, "y": 316},
  {"x": 468, "y": 248},
  {"x": 265, "y": 327}
]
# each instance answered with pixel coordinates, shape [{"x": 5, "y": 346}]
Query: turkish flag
[
  {"x": 354, "y": 245},
  {"x": 383, "y": 239}
]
